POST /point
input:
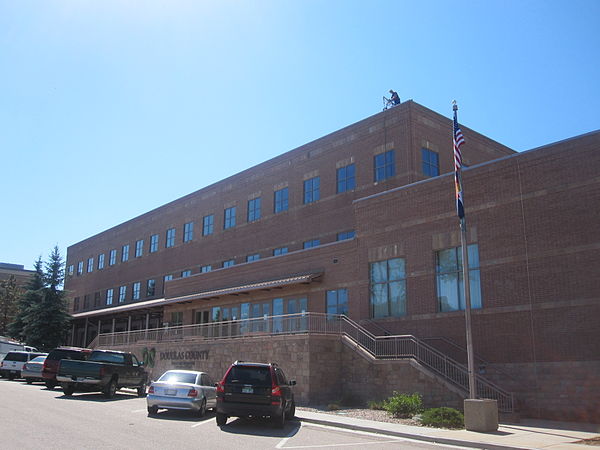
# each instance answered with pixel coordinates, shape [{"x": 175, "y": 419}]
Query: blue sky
[{"x": 110, "y": 108}]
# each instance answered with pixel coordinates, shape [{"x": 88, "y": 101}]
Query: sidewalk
[{"x": 528, "y": 434}]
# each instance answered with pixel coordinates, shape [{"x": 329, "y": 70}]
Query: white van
[{"x": 10, "y": 345}]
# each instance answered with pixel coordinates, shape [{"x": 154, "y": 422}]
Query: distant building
[
  {"x": 18, "y": 271},
  {"x": 362, "y": 222}
]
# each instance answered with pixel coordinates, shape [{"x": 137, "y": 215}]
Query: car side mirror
[
  {"x": 141, "y": 363},
  {"x": 292, "y": 382}
]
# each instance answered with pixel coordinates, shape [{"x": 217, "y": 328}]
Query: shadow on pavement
[
  {"x": 261, "y": 427},
  {"x": 95, "y": 397},
  {"x": 185, "y": 416}
]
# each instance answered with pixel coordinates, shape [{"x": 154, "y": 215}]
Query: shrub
[
  {"x": 376, "y": 405},
  {"x": 333, "y": 407},
  {"x": 404, "y": 405},
  {"x": 443, "y": 417}
]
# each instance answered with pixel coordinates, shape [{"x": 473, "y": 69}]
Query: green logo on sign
[{"x": 148, "y": 356}]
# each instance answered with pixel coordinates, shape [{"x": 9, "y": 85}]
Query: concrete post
[{"x": 481, "y": 415}]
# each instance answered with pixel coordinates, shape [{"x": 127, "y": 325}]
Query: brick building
[{"x": 361, "y": 222}]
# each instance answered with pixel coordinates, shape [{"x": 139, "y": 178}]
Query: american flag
[{"x": 458, "y": 140}]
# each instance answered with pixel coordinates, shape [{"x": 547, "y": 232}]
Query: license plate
[
  {"x": 170, "y": 391},
  {"x": 247, "y": 390}
]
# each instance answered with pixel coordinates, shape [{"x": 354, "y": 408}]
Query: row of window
[{"x": 384, "y": 168}]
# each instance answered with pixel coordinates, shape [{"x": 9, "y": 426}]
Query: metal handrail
[{"x": 380, "y": 347}]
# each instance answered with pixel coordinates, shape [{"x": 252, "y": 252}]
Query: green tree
[
  {"x": 32, "y": 295},
  {"x": 47, "y": 321},
  {"x": 10, "y": 293}
]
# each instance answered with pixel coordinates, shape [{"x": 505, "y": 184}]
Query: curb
[{"x": 434, "y": 440}]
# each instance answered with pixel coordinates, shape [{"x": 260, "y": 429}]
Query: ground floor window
[
  {"x": 176, "y": 318},
  {"x": 450, "y": 289},
  {"x": 388, "y": 288},
  {"x": 337, "y": 301}
]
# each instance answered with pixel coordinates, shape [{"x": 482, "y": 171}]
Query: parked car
[
  {"x": 251, "y": 389},
  {"x": 13, "y": 362},
  {"x": 182, "y": 389},
  {"x": 32, "y": 370},
  {"x": 51, "y": 364},
  {"x": 105, "y": 371}
]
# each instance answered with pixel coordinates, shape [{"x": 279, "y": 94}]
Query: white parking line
[
  {"x": 139, "y": 410},
  {"x": 202, "y": 423},
  {"x": 285, "y": 439}
]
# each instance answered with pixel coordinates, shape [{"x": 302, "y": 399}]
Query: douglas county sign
[{"x": 190, "y": 355}]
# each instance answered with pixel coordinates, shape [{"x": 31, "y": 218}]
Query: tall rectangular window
[
  {"x": 125, "y": 253},
  {"x": 76, "y": 304},
  {"x": 165, "y": 279},
  {"x": 80, "y": 268},
  {"x": 254, "y": 209},
  {"x": 254, "y": 257},
  {"x": 150, "y": 288},
  {"x": 312, "y": 243},
  {"x": 170, "y": 242},
  {"x": 101, "y": 261},
  {"x": 208, "y": 224},
  {"x": 385, "y": 165},
  {"x": 139, "y": 248},
  {"x": 281, "y": 200},
  {"x": 122, "y": 293},
  {"x": 136, "y": 290},
  {"x": 188, "y": 232},
  {"x": 109, "y": 296},
  {"x": 229, "y": 221},
  {"x": 96, "y": 299},
  {"x": 90, "y": 264},
  {"x": 113, "y": 258},
  {"x": 431, "y": 162},
  {"x": 312, "y": 190},
  {"x": 186, "y": 273},
  {"x": 345, "y": 235},
  {"x": 337, "y": 301},
  {"x": 154, "y": 243},
  {"x": 346, "y": 178},
  {"x": 205, "y": 269},
  {"x": 229, "y": 263},
  {"x": 176, "y": 318},
  {"x": 450, "y": 289},
  {"x": 280, "y": 251},
  {"x": 388, "y": 288},
  {"x": 70, "y": 269}
]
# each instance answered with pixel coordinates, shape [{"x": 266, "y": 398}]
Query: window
[
  {"x": 136, "y": 290},
  {"x": 345, "y": 235},
  {"x": 186, "y": 273},
  {"x": 166, "y": 278},
  {"x": 281, "y": 200},
  {"x": 76, "y": 304},
  {"x": 101, "y": 261},
  {"x": 86, "y": 302},
  {"x": 122, "y": 293},
  {"x": 450, "y": 289},
  {"x": 254, "y": 257},
  {"x": 229, "y": 263},
  {"x": 253, "y": 209},
  {"x": 125, "y": 254},
  {"x": 205, "y": 269},
  {"x": 109, "y": 296},
  {"x": 311, "y": 190},
  {"x": 139, "y": 248},
  {"x": 176, "y": 318},
  {"x": 280, "y": 251},
  {"x": 208, "y": 223},
  {"x": 150, "y": 288},
  {"x": 170, "y": 242},
  {"x": 153, "y": 243},
  {"x": 311, "y": 244},
  {"x": 229, "y": 218},
  {"x": 346, "y": 178},
  {"x": 71, "y": 269},
  {"x": 388, "y": 288},
  {"x": 431, "y": 163},
  {"x": 188, "y": 232},
  {"x": 90, "y": 264},
  {"x": 113, "y": 258},
  {"x": 96, "y": 299},
  {"x": 79, "y": 267},
  {"x": 337, "y": 301},
  {"x": 385, "y": 165}
]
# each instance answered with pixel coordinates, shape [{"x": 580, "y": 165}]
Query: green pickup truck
[{"x": 104, "y": 371}]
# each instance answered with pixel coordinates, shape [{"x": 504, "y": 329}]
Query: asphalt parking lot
[{"x": 34, "y": 417}]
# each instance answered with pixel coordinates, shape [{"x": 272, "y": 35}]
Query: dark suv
[
  {"x": 53, "y": 359},
  {"x": 251, "y": 389}
]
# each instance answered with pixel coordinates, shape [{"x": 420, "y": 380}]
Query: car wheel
[
  {"x": 11, "y": 376},
  {"x": 221, "y": 419},
  {"x": 50, "y": 385},
  {"x": 279, "y": 421},
  {"x": 152, "y": 410},
  {"x": 111, "y": 389},
  {"x": 292, "y": 412},
  {"x": 202, "y": 410},
  {"x": 28, "y": 380},
  {"x": 68, "y": 389},
  {"x": 141, "y": 390}
]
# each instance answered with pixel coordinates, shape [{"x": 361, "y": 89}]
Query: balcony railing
[{"x": 380, "y": 347}]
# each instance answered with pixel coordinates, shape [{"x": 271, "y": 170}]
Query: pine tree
[
  {"x": 10, "y": 294},
  {"x": 33, "y": 295}
]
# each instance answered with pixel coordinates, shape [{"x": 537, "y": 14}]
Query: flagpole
[{"x": 465, "y": 267}]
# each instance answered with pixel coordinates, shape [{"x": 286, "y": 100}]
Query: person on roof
[{"x": 394, "y": 99}]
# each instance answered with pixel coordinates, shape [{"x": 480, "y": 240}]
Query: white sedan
[{"x": 183, "y": 390}]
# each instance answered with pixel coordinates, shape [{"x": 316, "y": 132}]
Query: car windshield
[
  {"x": 38, "y": 359},
  {"x": 67, "y": 354},
  {"x": 107, "y": 357},
  {"x": 258, "y": 376},
  {"x": 16, "y": 357},
  {"x": 178, "y": 377}
]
